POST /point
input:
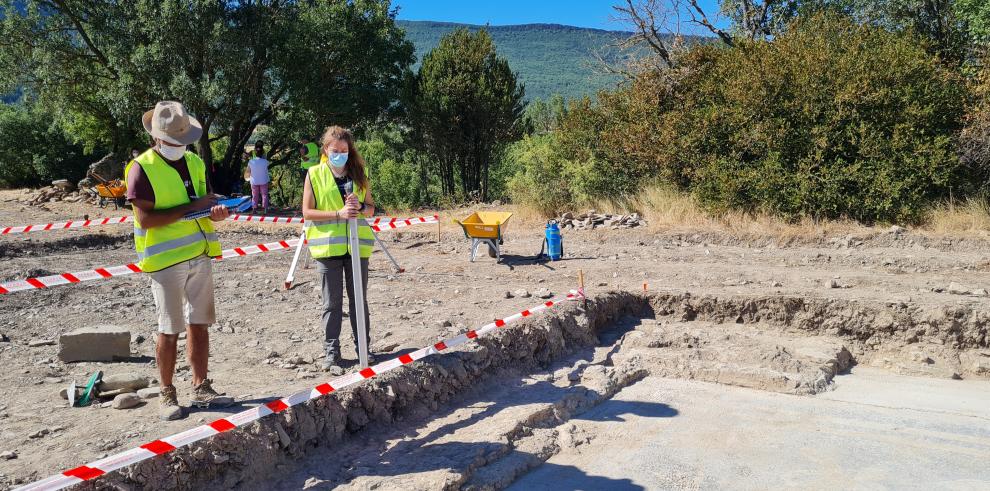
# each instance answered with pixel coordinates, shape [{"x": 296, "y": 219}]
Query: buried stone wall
[
  {"x": 954, "y": 326},
  {"x": 408, "y": 392}
]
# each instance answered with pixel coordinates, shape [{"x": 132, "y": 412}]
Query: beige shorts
[{"x": 184, "y": 295}]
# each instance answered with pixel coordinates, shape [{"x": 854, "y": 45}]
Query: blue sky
[{"x": 581, "y": 13}]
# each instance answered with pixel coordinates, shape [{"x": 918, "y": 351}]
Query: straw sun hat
[{"x": 169, "y": 121}]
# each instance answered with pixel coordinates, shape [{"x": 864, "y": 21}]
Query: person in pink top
[{"x": 258, "y": 167}]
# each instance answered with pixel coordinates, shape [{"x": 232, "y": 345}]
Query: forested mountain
[{"x": 549, "y": 58}]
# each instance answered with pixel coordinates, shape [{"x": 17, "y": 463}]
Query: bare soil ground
[{"x": 754, "y": 312}]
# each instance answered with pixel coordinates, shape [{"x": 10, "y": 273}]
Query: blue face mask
[{"x": 338, "y": 160}]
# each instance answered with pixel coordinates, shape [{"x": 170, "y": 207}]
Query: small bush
[
  {"x": 830, "y": 119},
  {"x": 395, "y": 184},
  {"x": 396, "y": 178},
  {"x": 974, "y": 141},
  {"x": 542, "y": 180}
]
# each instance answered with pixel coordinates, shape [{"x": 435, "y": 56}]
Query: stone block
[
  {"x": 97, "y": 343},
  {"x": 130, "y": 382}
]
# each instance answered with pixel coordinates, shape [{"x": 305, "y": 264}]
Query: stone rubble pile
[
  {"x": 107, "y": 168},
  {"x": 592, "y": 219},
  {"x": 63, "y": 193}
]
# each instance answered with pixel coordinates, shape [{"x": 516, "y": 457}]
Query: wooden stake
[
  {"x": 438, "y": 233},
  {"x": 584, "y": 301}
]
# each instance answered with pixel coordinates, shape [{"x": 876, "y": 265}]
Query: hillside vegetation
[
  {"x": 869, "y": 111},
  {"x": 549, "y": 58}
]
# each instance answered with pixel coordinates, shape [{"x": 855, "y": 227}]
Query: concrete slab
[
  {"x": 96, "y": 343},
  {"x": 876, "y": 431}
]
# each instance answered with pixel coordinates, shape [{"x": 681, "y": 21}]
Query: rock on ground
[
  {"x": 126, "y": 401},
  {"x": 130, "y": 381},
  {"x": 149, "y": 393}
]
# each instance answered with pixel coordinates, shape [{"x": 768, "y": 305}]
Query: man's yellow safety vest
[
  {"x": 168, "y": 245},
  {"x": 312, "y": 156},
  {"x": 329, "y": 238}
]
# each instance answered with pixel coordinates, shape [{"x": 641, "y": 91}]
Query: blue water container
[{"x": 555, "y": 243}]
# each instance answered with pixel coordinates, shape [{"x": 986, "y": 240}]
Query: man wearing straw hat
[{"x": 163, "y": 184}]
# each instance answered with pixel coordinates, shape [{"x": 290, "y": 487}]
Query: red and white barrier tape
[
  {"x": 65, "y": 225},
  {"x": 389, "y": 223},
  {"x": 382, "y": 223},
  {"x": 377, "y": 223},
  {"x": 127, "y": 269},
  {"x": 262, "y": 218},
  {"x": 168, "y": 444}
]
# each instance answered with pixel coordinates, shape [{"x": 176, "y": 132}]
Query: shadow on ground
[{"x": 416, "y": 452}]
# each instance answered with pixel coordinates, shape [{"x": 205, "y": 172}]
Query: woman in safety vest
[{"x": 335, "y": 191}]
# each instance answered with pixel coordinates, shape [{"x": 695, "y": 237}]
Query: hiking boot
[
  {"x": 168, "y": 404},
  {"x": 331, "y": 361},
  {"x": 204, "y": 396},
  {"x": 332, "y": 364}
]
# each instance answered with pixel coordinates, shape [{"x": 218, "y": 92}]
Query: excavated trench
[
  {"x": 540, "y": 373},
  {"x": 30, "y": 246}
]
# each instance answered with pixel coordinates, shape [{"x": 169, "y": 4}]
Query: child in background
[{"x": 258, "y": 168}]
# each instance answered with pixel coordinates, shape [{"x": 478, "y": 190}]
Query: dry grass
[
  {"x": 971, "y": 217},
  {"x": 667, "y": 210}
]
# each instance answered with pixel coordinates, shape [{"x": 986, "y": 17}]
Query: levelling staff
[
  {"x": 163, "y": 184},
  {"x": 335, "y": 191}
]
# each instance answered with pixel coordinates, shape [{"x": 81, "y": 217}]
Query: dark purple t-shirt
[{"x": 139, "y": 187}]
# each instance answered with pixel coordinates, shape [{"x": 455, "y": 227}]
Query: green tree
[
  {"x": 295, "y": 65},
  {"x": 541, "y": 117},
  {"x": 464, "y": 105},
  {"x": 542, "y": 179},
  {"x": 976, "y": 15},
  {"x": 34, "y": 150},
  {"x": 831, "y": 118},
  {"x": 394, "y": 170}
]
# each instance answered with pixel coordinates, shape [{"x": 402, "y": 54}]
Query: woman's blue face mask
[{"x": 338, "y": 159}]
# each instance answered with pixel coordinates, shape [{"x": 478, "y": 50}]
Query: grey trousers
[{"x": 335, "y": 275}]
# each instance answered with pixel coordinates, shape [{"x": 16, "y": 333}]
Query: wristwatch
[{"x": 362, "y": 207}]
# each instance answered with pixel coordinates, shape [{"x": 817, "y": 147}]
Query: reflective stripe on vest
[
  {"x": 320, "y": 241},
  {"x": 329, "y": 238},
  {"x": 163, "y": 247},
  {"x": 160, "y": 247},
  {"x": 334, "y": 221}
]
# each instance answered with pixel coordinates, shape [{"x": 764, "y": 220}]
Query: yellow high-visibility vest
[
  {"x": 312, "y": 156},
  {"x": 329, "y": 238},
  {"x": 161, "y": 247}
]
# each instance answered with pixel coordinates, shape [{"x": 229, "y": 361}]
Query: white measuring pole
[
  {"x": 362, "y": 335},
  {"x": 295, "y": 259}
]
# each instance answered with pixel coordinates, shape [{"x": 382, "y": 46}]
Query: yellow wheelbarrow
[{"x": 485, "y": 227}]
